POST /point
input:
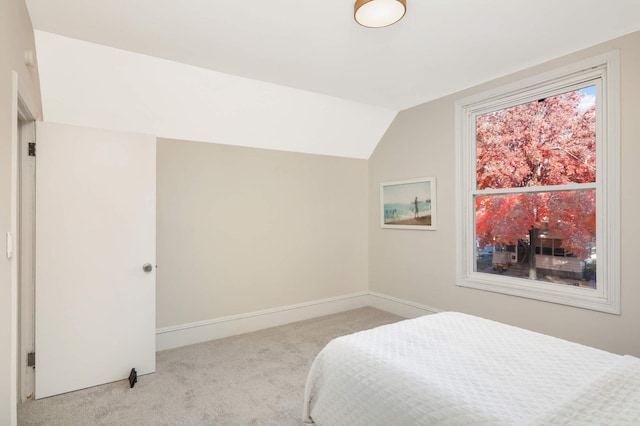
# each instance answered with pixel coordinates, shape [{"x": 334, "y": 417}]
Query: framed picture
[{"x": 408, "y": 204}]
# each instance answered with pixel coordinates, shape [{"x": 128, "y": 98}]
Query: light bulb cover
[{"x": 379, "y": 13}]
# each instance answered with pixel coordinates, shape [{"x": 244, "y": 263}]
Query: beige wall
[
  {"x": 244, "y": 229},
  {"x": 16, "y": 35},
  {"x": 420, "y": 266}
]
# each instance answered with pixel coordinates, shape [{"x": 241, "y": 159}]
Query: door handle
[{"x": 147, "y": 267}]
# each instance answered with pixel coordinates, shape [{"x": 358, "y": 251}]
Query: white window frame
[{"x": 604, "y": 72}]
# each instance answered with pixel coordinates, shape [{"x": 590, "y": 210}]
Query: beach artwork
[{"x": 409, "y": 204}]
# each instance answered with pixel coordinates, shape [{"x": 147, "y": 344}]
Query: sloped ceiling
[
  {"x": 86, "y": 84},
  {"x": 291, "y": 74}
]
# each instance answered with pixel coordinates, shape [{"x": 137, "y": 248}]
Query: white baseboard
[
  {"x": 202, "y": 331},
  {"x": 217, "y": 328},
  {"x": 404, "y": 308}
]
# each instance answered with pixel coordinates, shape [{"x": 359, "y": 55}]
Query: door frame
[
  {"x": 26, "y": 251},
  {"x": 22, "y": 129},
  {"x": 21, "y": 115}
]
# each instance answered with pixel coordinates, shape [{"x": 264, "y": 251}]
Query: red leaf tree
[{"x": 543, "y": 143}]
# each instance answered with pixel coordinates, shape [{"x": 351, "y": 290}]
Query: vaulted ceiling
[{"x": 242, "y": 63}]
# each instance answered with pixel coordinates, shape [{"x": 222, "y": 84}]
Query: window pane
[
  {"x": 551, "y": 141},
  {"x": 547, "y": 236}
]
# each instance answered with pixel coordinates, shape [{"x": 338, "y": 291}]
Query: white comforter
[{"x": 456, "y": 369}]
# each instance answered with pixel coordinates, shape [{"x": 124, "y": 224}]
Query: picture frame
[{"x": 408, "y": 204}]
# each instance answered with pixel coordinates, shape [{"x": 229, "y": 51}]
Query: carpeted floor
[{"x": 252, "y": 379}]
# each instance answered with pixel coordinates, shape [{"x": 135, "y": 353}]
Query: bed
[{"x": 456, "y": 369}]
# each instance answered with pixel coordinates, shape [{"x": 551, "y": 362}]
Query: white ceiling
[{"x": 440, "y": 47}]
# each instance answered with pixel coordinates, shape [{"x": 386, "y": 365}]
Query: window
[{"x": 538, "y": 182}]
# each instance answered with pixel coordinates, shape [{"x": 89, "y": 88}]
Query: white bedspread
[
  {"x": 611, "y": 398},
  {"x": 456, "y": 369}
]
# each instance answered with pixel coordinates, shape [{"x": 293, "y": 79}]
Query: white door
[{"x": 95, "y": 229}]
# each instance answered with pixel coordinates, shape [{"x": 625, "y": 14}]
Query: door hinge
[
  {"x": 31, "y": 359},
  {"x": 32, "y": 149}
]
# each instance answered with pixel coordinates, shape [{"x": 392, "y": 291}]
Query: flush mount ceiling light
[{"x": 379, "y": 13}]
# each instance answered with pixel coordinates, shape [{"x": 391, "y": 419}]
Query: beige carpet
[{"x": 252, "y": 379}]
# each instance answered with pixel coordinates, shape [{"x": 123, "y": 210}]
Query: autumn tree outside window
[{"x": 538, "y": 201}]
